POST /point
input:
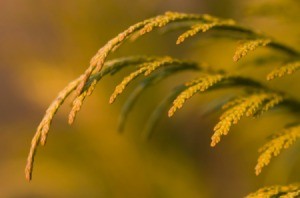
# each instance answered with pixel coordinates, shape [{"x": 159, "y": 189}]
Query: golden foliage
[
  {"x": 203, "y": 27},
  {"x": 146, "y": 69},
  {"x": 120, "y": 88},
  {"x": 142, "y": 86},
  {"x": 200, "y": 84},
  {"x": 248, "y": 46},
  {"x": 288, "y": 68},
  {"x": 274, "y": 146},
  {"x": 251, "y": 105},
  {"x": 247, "y": 106},
  {"x": 41, "y": 133},
  {"x": 289, "y": 191},
  {"x": 143, "y": 27},
  {"x": 110, "y": 68}
]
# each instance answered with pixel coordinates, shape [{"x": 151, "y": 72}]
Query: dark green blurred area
[{"x": 45, "y": 44}]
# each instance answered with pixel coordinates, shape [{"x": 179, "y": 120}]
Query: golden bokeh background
[{"x": 45, "y": 44}]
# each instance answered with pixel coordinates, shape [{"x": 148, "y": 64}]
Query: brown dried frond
[
  {"x": 200, "y": 84},
  {"x": 248, "y": 46},
  {"x": 203, "y": 27},
  {"x": 40, "y": 136},
  {"x": 288, "y": 68},
  {"x": 247, "y": 106},
  {"x": 289, "y": 191},
  {"x": 273, "y": 147}
]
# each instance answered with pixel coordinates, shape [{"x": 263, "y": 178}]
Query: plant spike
[
  {"x": 248, "y": 46},
  {"x": 289, "y": 191},
  {"x": 146, "y": 69},
  {"x": 274, "y": 146},
  {"x": 41, "y": 133},
  {"x": 203, "y": 27},
  {"x": 200, "y": 84},
  {"x": 145, "y": 26},
  {"x": 288, "y": 68},
  {"x": 151, "y": 80},
  {"x": 247, "y": 106},
  {"x": 110, "y": 67}
]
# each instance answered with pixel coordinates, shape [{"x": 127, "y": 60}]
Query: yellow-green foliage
[
  {"x": 289, "y": 191},
  {"x": 259, "y": 98},
  {"x": 274, "y": 146},
  {"x": 248, "y": 46},
  {"x": 200, "y": 84},
  {"x": 288, "y": 68}
]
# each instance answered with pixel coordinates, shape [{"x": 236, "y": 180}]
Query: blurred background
[{"x": 45, "y": 44}]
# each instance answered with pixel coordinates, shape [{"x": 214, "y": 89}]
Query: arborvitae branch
[
  {"x": 110, "y": 67},
  {"x": 40, "y": 136},
  {"x": 247, "y": 106},
  {"x": 279, "y": 141},
  {"x": 200, "y": 84},
  {"x": 290, "y": 191},
  {"x": 146, "y": 83},
  {"x": 252, "y": 105},
  {"x": 248, "y": 46},
  {"x": 159, "y": 110},
  {"x": 203, "y": 27},
  {"x": 146, "y": 69},
  {"x": 288, "y": 68}
]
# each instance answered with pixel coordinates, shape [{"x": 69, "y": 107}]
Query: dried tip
[
  {"x": 171, "y": 112},
  {"x": 43, "y": 139},
  {"x": 44, "y": 133},
  {"x": 270, "y": 77},
  {"x": 72, "y": 116},
  {"x": 82, "y": 83},
  {"x": 257, "y": 171},
  {"x": 77, "y": 103},
  {"x": 179, "y": 41},
  {"x": 28, "y": 172},
  {"x": 112, "y": 99}
]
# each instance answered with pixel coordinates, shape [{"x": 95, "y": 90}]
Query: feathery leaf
[
  {"x": 41, "y": 134},
  {"x": 111, "y": 67},
  {"x": 203, "y": 27},
  {"x": 143, "y": 86},
  {"x": 200, "y": 84},
  {"x": 247, "y": 106},
  {"x": 146, "y": 69},
  {"x": 273, "y": 147},
  {"x": 288, "y": 68},
  {"x": 248, "y": 46},
  {"x": 289, "y": 191}
]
